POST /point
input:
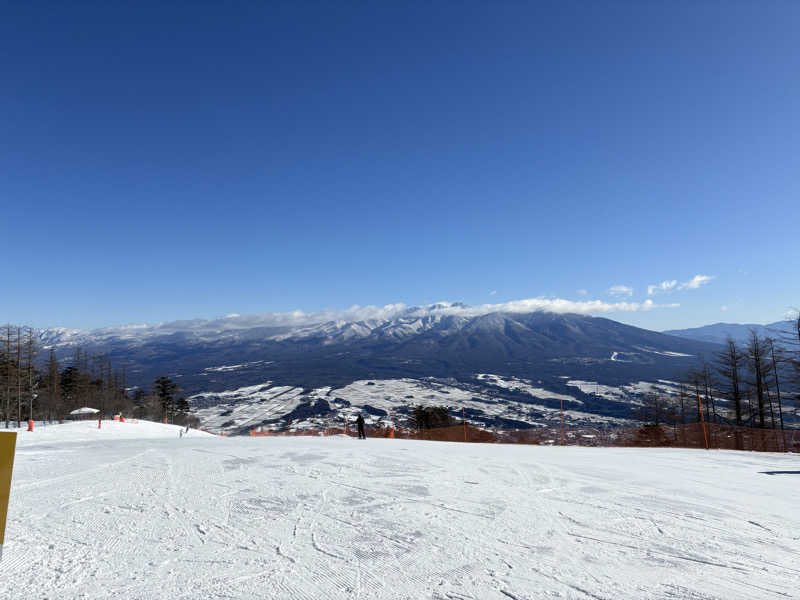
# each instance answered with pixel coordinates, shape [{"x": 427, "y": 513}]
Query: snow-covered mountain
[
  {"x": 391, "y": 321},
  {"x": 213, "y": 360},
  {"x": 441, "y": 339}
]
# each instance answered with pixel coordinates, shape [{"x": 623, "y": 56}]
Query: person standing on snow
[{"x": 360, "y": 425}]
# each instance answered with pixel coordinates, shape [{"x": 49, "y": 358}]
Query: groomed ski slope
[{"x": 134, "y": 512}]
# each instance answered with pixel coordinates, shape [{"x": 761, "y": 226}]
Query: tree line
[
  {"x": 752, "y": 384},
  {"x": 38, "y": 387}
]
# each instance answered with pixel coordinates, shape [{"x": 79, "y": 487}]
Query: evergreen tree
[
  {"x": 182, "y": 409},
  {"x": 430, "y": 417},
  {"x": 70, "y": 387},
  {"x": 52, "y": 388},
  {"x": 165, "y": 390}
]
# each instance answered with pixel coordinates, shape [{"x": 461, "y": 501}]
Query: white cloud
[
  {"x": 671, "y": 285},
  {"x": 583, "y": 292},
  {"x": 620, "y": 290},
  {"x": 298, "y": 318},
  {"x": 541, "y": 304},
  {"x": 664, "y": 286},
  {"x": 493, "y": 293},
  {"x": 695, "y": 282},
  {"x": 723, "y": 308}
]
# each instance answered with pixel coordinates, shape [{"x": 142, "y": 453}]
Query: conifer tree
[{"x": 165, "y": 390}]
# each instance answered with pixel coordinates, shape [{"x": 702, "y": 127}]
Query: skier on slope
[{"x": 360, "y": 425}]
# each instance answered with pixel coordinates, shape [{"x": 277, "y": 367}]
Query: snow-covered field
[
  {"x": 388, "y": 401},
  {"x": 134, "y": 512}
]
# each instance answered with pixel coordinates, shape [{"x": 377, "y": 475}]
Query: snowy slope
[
  {"x": 335, "y": 518},
  {"x": 87, "y": 431}
]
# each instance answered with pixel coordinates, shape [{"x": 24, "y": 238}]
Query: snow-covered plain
[
  {"x": 384, "y": 400},
  {"x": 132, "y": 511}
]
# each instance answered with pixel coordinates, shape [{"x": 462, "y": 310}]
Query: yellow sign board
[{"x": 8, "y": 442}]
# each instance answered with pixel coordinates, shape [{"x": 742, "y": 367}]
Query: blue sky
[{"x": 177, "y": 160}]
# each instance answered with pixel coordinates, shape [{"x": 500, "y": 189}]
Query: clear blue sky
[{"x": 174, "y": 160}]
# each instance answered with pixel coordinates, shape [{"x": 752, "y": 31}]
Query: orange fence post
[{"x": 30, "y": 425}]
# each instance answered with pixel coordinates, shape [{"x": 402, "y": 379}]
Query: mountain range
[
  {"x": 437, "y": 340},
  {"x": 717, "y": 333},
  {"x": 422, "y": 346}
]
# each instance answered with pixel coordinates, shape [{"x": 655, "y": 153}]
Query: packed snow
[{"x": 133, "y": 511}]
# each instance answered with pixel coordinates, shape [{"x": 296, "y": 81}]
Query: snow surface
[
  {"x": 132, "y": 511},
  {"x": 663, "y": 352},
  {"x": 386, "y": 400},
  {"x": 525, "y": 386},
  {"x": 628, "y": 394},
  {"x": 228, "y": 368}
]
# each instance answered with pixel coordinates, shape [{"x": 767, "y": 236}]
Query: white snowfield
[
  {"x": 251, "y": 406},
  {"x": 134, "y": 512}
]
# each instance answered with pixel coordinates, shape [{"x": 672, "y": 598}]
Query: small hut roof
[{"x": 84, "y": 411}]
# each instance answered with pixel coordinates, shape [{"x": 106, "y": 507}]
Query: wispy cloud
[
  {"x": 664, "y": 286},
  {"x": 695, "y": 282},
  {"x": 583, "y": 292},
  {"x": 527, "y": 305},
  {"x": 556, "y": 305},
  {"x": 493, "y": 293},
  {"x": 723, "y": 308},
  {"x": 620, "y": 291},
  {"x": 298, "y": 318},
  {"x": 671, "y": 285}
]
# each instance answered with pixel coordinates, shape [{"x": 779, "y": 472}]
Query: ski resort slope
[{"x": 121, "y": 514}]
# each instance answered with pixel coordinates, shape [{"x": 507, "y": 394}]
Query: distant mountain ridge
[
  {"x": 717, "y": 333},
  {"x": 281, "y": 369},
  {"x": 442, "y": 340}
]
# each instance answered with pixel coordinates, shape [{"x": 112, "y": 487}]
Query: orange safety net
[{"x": 722, "y": 437}]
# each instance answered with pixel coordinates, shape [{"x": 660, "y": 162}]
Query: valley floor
[{"x": 134, "y": 512}]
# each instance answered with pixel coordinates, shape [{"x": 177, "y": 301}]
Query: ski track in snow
[{"x": 134, "y": 512}]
